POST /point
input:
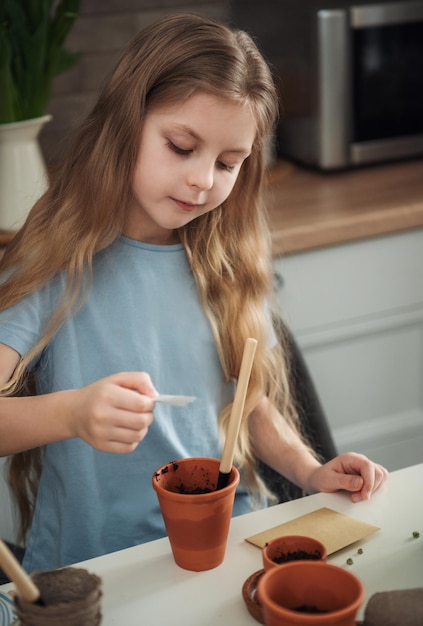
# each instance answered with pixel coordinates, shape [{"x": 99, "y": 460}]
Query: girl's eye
[
  {"x": 186, "y": 151},
  {"x": 177, "y": 149},
  {"x": 224, "y": 166}
]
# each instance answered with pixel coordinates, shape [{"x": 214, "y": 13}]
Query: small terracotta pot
[
  {"x": 196, "y": 516},
  {"x": 292, "y": 595},
  {"x": 292, "y": 548}
]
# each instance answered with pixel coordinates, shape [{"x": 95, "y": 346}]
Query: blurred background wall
[{"x": 101, "y": 31}]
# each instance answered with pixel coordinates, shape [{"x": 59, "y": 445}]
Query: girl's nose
[{"x": 200, "y": 175}]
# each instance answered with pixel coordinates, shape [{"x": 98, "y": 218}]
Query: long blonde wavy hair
[{"x": 83, "y": 211}]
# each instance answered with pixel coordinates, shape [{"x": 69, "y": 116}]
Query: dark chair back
[{"x": 313, "y": 418}]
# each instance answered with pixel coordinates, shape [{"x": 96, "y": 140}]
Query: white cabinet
[{"x": 356, "y": 311}]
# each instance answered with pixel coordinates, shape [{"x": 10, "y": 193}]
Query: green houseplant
[{"x": 32, "y": 53}]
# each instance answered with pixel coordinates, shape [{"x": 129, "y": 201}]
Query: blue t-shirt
[{"x": 142, "y": 314}]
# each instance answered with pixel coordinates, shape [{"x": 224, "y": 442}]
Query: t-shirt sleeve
[{"x": 22, "y": 325}]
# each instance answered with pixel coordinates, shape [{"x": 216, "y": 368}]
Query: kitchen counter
[{"x": 310, "y": 210}]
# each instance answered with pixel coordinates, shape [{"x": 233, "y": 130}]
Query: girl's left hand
[{"x": 350, "y": 472}]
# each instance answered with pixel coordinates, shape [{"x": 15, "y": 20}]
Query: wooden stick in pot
[{"x": 236, "y": 413}]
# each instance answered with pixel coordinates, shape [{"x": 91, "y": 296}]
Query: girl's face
[{"x": 188, "y": 161}]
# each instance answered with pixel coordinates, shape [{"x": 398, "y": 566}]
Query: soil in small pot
[
  {"x": 297, "y": 555},
  {"x": 306, "y": 608},
  {"x": 193, "y": 490}
]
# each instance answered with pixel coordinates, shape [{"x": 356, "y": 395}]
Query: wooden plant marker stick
[
  {"x": 23, "y": 582},
  {"x": 236, "y": 413}
]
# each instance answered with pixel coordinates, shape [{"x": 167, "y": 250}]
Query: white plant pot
[{"x": 23, "y": 175}]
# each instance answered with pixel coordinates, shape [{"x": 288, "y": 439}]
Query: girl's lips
[{"x": 185, "y": 206}]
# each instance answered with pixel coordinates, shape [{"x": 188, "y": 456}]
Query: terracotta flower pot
[
  {"x": 310, "y": 593},
  {"x": 292, "y": 548},
  {"x": 196, "y": 516}
]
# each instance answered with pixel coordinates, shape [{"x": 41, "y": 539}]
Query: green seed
[
  {"x": 416, "y": 534},
  {"x": 350, "y": 561},
  {"x": 360, "y": 551}
]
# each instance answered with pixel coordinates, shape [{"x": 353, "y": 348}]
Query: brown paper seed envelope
[{"x": 333, "y": 529}]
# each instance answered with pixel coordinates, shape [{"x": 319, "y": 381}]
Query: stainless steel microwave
[{"x": 350, "y": 76}]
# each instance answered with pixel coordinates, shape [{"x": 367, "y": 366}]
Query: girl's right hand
[{"x": 114, "y": 413}]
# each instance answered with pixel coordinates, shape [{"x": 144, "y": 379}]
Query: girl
[{"x": 145, "y": 266}]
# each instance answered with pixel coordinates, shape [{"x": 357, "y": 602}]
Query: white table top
[{"x": 143, "y": 585}]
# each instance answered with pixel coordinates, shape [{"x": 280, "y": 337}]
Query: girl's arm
[
  {"x": 108, "y": 414},
  {"x": 277, "y": 445}
]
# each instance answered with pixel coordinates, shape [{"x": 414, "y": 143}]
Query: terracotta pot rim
[
  {"x": 198, "y": 497},
  {"x": 304, "y": 618},
  {"x": 292, "y": 537},
  {"x": 290, "y": 541}
]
